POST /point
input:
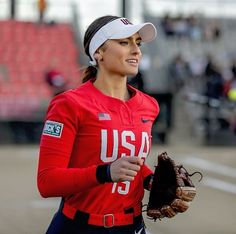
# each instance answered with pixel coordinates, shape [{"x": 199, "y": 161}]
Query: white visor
[{"x": 118, "y": 29}]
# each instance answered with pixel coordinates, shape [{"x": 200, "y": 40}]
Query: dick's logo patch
[{"x": 52, "y": 128}]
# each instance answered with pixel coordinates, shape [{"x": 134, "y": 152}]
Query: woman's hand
[{"x": 125, "y": 168}]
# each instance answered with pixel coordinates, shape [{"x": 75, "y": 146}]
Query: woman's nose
[{"x": 135, "y": 49}]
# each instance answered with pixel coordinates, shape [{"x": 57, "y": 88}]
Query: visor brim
[{"x": 147, "y": 32}]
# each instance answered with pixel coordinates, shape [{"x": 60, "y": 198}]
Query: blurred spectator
[
  {"x": 211, "y": 67},
  {"x": 191, "y": 28},
  {"x": 230, "y": 86},
  {"x": 214, "y": 79},
  {"x": 42, "y": 6},
  {"x": 194, "y": 28},
  {"x": 181, "y": 27},
  {"x": 233, "y": 68},
  {"x": 55, "y": 79},
  {"x": 179, "y": 72},
  {"x": 196, "y": 66},
  {"x": 230, "y": 92},
  {"x": 168, "y": 25},
  {"x": 212, "y": 30}
]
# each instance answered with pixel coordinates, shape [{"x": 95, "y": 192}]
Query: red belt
[{"x": 106, "y": 220}]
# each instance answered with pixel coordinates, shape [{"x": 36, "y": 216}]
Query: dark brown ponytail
[{"x": 89, "y": 73}]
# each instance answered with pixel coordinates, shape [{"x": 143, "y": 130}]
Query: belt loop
[{"x": 108, "y": 220}]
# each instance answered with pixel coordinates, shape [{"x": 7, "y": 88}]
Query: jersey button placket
[{"x": 125, "y": 115}]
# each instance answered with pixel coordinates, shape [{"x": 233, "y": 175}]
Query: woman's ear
[{"x": 98, "y": 56}]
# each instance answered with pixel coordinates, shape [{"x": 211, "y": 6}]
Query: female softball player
[{"x": 96, "y": 137}]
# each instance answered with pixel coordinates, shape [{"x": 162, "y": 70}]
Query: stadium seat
[{"x": 27, "y": 51}]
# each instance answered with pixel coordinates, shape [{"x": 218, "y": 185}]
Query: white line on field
[
  {"x": 210, "y": 166},
  {"x": 215, "y": 168},
  {"x": 219, "y": 184}
]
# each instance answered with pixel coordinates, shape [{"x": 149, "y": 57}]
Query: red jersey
[{"x": 85, "y": 128}]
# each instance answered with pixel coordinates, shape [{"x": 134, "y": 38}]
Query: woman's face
[{"x": 121, "y": 56}]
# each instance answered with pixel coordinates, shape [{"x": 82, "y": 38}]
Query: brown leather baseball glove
[{"x": 172, "y": 190}]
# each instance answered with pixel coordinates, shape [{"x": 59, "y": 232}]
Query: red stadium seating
[{"x": 26, "y": 52}]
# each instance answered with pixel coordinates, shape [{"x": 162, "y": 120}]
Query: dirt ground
[{"x": 23, "y": 211}]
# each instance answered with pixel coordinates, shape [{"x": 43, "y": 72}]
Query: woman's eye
[
  {"x": 124, "y": 42},
  {"x": 139, "y": 43}
]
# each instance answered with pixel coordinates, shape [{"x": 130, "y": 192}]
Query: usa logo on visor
[{"x": 125, "y": 21}]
